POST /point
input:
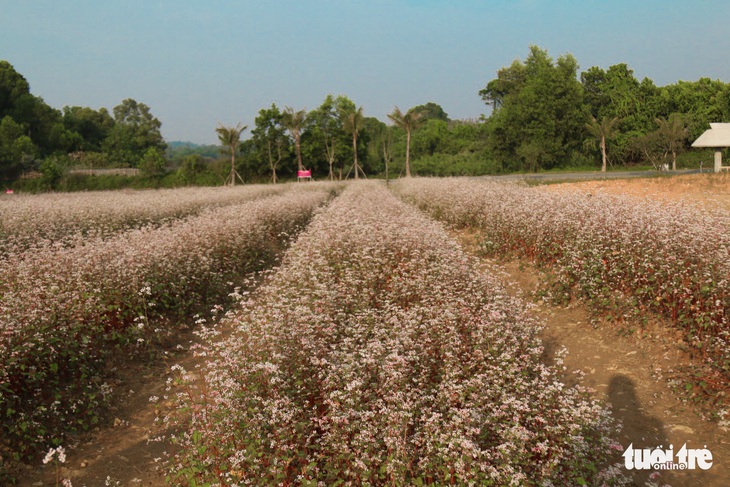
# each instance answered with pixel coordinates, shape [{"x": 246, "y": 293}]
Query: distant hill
[{"x": 177, "y": 150}]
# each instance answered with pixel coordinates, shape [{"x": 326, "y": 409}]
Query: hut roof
[{"x": 717, "y": 136}]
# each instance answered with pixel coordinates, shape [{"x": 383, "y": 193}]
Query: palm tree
[
  {"x": 673, "y": 133},
  {"x": 408, "y": 121},
  {"x": 294, "y": 121},
  {"x": 352, "y": 122},
  {"x": 601, "y": 131},
  {"x": 230, "y": 137}
]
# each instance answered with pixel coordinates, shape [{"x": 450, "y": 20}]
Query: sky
[{"x": 200, "y": 63}]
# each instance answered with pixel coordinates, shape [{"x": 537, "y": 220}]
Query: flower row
[
  {"x": 629, "y": 257},
  {"x": 66, "y": 309},
  {"x": 34, "y": 220},
  {"x": 379, "y": 353}
]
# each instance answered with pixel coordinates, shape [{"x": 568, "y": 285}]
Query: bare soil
[
  {"x": 709, "y": 190},
  {"x": 631, "y": 373}
]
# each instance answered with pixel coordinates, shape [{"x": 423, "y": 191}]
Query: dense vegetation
[
  {"x": 544, "y": 114},
  {"x": 380, "y": 354},
  {"x": 632, "y": 259},
  {"x": 103, "y": 283}
]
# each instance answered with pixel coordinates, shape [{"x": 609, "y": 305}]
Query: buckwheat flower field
[
  {"x": 628, "y": 257},
  {"x": 378, "y": 353},
  {"x": 33, "y": 220},
  {"x": 67, "y": 308}
]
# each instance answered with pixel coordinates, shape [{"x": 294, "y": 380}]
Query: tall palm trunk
[
  {"x": 233, "y": 166},
  {"x": 298, "y": 148},
  {"x": 408, "y": 121},
  {"x": 408, "y": 153},
  {"x": 354, "y": 149}
]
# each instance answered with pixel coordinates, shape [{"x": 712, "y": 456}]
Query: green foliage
[
  {"x": 540, "y": 114},
  {"x": 16, "y": 148},
  {"x": 433, "y": 137},
  {"x": 272, "y": 147},
  {"x": 702, "y": 101},
  {"x": 323, "y": 140},
  {"x": 665, "y": 140},
  {"x": 152, "y": 163},
  {"x": 12, "y": 86},
  {"x": 33, "y": 130},
  {"x": 352, "y": 120},
  {"x": 294, "y": 122},
  {"x": 325, "y": 145},
  {"x": 92, "y": 126},
  {"x": 432, "y": 111},
  {"x": 52, "y": 172},
  {"x": 192, "y": 167},
  {"x": 540, "y": 120},
  {"x": 134, "y": 132},
  {"x": 176, "y": 151},
  {"x": 408, "y": 121},
  {"x": 462, "y": 164},
  {"x": 229, "y": 138}
]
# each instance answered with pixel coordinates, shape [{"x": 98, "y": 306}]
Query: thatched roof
[{"x": 717, "y": 136}]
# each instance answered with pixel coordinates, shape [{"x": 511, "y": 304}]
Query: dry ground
[
  {"x": 632, "y": 373},
  {"x": 708, "y": 190}
]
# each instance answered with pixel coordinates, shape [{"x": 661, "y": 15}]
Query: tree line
[
  {"x": 35, "y": 136},
  {"x": 544, "y": 114}
]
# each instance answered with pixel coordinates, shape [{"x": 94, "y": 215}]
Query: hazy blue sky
[{"x": 197, "y": 63}]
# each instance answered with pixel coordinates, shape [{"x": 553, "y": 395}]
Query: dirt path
[
  {"x": 129, "y": 452},
  {"x": 631, "y": 373}
]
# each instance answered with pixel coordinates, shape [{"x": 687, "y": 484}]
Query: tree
[
  {"x": 352, "y": 122},
  {"x": 92, "y": 125},
  {"x": 12, "y": 86},
  {"x": 386, "y": 145},
  {"x": 135, "y": 131},
  {"x": 16, "y": 148},
  {"x": 539, "y": 117},
  {"x": 672, "y": 134},
  {"x": 152, "y": 163},
  {"x": 652, "y": 148},
  {"x": 192, "y": 167},
  {"x": 612, "y": 93},
  {"x": 230, "y": 138},
  {"x": 408, "y": 121},
  {"x": 325, "y": 138},
  {"x": 616, "y": 93},
  {"x": 509, "y": 81},
  {"x": 601, "y": 131},
  {"x": 432, "y": 111},
  {"x": 269, "y": 138},
  {"x": 52, "y": 173},
  {"x": 701, "y": 102},
  {"x": 433, "y": 136},
  {"x": 668, "y": 138},
  {"x": 294, "y": 121}
]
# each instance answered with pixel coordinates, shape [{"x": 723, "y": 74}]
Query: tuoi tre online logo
[{"x": 658, "y": 459}]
